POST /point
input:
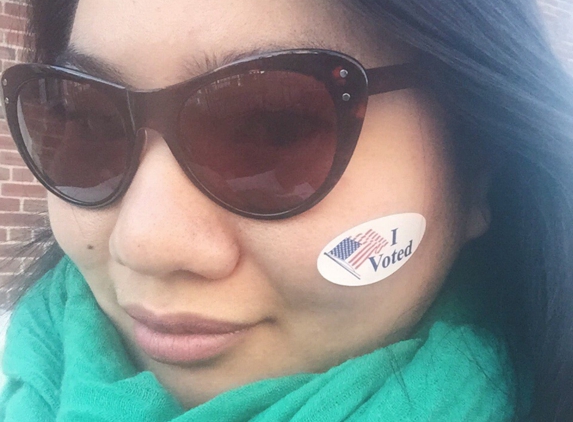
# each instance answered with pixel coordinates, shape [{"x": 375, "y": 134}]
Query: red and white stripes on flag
[{"x": 370, "y": 243}]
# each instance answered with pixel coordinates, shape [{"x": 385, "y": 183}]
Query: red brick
[
  {"x": 35, "y": 205},
  {"x": 6, "y": 142},
  {"x": 3, "y": 235},
  {"x": 22, "y": 191},
  {"x": 10, "y": 158},
  {"x": 9, "y": 204},
  {"x": 7, "y": 250},
  {"x": 10, "y": 265},
  {"x": 16, "y": 9},
  {"x": 7, "y": 53},
  {"x": 7, "y": 63},
  {"x": 20, "y": 235},
  {"x": 22, "y": 175},
  {"x": 4, "y": 126},
  {"x": 12, "y": 251},
  {"x": 12, "y": 23},
  {"x": 18, "y": 38},
  {"x": 12, "y": 219},
  {"x": 4, "y": 173}
]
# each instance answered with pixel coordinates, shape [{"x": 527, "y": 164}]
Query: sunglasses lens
[
  {"x": 261, "y": 142},
  {"x": 75, "y": 137}
]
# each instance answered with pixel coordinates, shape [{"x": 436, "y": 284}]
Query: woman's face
[{"x": 170, "y": 252}]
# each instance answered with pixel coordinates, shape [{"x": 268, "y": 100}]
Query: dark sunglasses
[{"x": 267, "y": 137}]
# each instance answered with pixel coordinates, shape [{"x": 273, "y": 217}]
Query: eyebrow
[
  {"x": 209, "y": 63},
  {"x": 71, "y": 57}
]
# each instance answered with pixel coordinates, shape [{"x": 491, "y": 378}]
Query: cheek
[
  {"x": 82, "y": 234},
  {"x": 401, "y": 165}
]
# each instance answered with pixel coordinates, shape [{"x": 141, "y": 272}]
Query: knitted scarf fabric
[{"x": 64, "y": 361}]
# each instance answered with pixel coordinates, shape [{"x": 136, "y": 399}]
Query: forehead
[{"x": 157, "y": 43}]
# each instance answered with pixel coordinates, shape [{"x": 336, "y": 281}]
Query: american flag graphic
[{"x": 352, "y": 252}]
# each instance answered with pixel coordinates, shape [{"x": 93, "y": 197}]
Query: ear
[{"x": 479, "y": 211}]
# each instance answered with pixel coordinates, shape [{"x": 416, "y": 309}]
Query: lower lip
[{"x": 183, "y": 348}]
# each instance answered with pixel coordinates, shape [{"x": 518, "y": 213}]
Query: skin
[{"x": 168, "y": 248}]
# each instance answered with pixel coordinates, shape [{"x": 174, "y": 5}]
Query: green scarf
[{"x": 65, "y": 361}]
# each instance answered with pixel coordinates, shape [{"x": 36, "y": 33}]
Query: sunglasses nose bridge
[
  {"x": 155, "y": 116},
  {"x": 154, "y": 111}
]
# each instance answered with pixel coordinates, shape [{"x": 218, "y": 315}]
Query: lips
[{"x": 184, "y": 338}]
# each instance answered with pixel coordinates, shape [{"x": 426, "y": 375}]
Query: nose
[{"x": 166, "y": 225}]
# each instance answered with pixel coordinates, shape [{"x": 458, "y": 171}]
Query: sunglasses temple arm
[{"x": 393, "y": 78}]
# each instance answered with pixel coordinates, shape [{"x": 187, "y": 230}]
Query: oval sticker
[{"x": 372, "y": 251}]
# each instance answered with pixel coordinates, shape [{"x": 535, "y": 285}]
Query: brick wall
[{"x": 22, "y": 199}]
